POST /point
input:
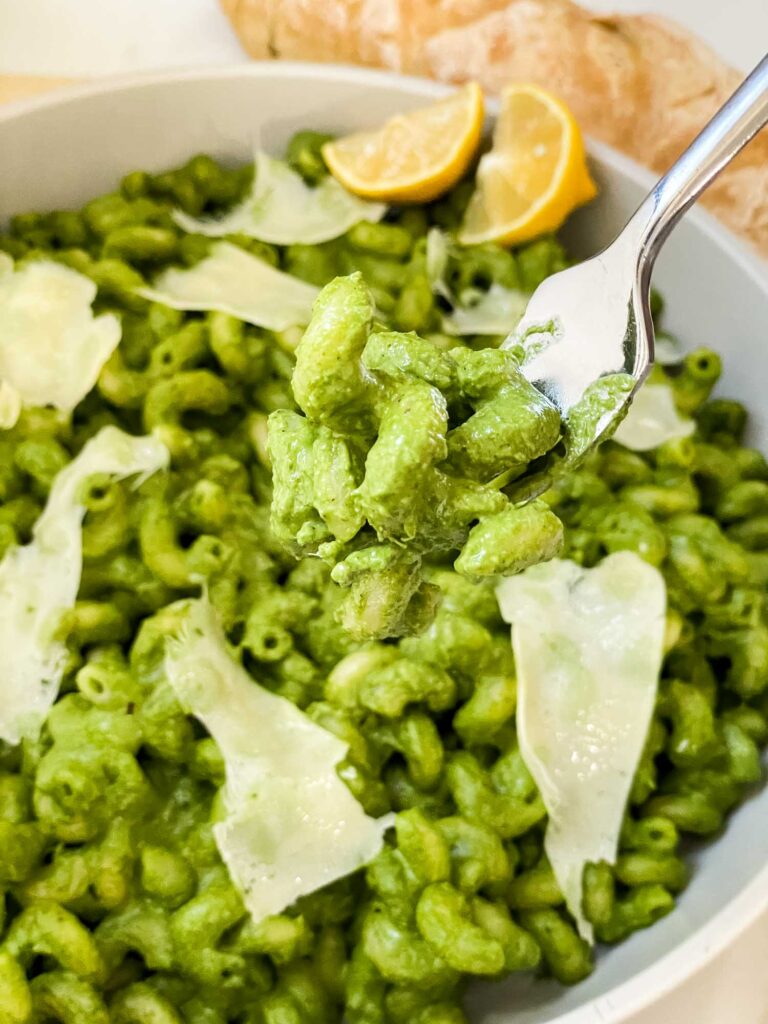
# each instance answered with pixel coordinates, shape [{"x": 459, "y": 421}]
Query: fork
[{"x": 597, "y": 314}]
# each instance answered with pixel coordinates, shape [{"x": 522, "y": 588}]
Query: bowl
[{"x": 60, "y": 151}]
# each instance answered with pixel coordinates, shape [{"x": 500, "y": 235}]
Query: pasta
[
  {"x": 115, "y": 905},
  {"x": 373, "y": 479}
]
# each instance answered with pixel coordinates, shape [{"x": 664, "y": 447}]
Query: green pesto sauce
[
  {"x": 114, "y": 902},
  {"x": 401, "y": 456},
  {"x": 598, "y": 413}
]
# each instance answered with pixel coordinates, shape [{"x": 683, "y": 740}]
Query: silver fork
[{"x": 597, "y": 314}]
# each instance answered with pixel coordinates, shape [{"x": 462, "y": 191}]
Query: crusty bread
[
  {"x": 253, "y": 23},
  {"x": 640, "y": 83},
  {"x": 589, "y": 63}
]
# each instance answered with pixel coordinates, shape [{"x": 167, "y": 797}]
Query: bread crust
[
  {"x": 252, "y": 20},
  {"x": 587, "y": 61},
  {"x": 640, "y": 83}
]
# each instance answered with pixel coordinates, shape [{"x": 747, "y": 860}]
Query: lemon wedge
[
  {"x": 534, "y": 175},
  {"x": 414, "y": 157}
]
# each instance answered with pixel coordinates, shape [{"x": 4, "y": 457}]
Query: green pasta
[
  {"x": 345, "y": 498},
  {"x": 406, "y": 483}
]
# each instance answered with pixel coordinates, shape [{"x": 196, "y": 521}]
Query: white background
[{"x": 81, "y": 38}]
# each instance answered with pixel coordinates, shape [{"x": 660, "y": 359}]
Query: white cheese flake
[
  {"x": 10, "y": 405},
  {"x": 233, "y": 281},
  {"x": 588, "y": 647},
  {"x": 666, "y": 350},
  {"x": 436, "y": 261},
  {"x": 652, "y": 419},
  {"x": 39, "y": 582},
  {"x": 282, "y": 209},
  {"x": 52, "y": 347},
  {"x": 496, "y": 311},
  {"x": 291, "y": 824}
]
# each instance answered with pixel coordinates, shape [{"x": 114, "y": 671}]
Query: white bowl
[{"x": 60, "y": 151}]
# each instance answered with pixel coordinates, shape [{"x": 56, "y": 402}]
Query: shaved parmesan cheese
[
  {"x": 39, "y": 582},
  {"x": 52, "y": 348},
  {"x": 10, "y": 405},
  {"x": 496, "y": 311},
  {"x": 233, "y": 281},
  {"x": 666, "y": 350},
  {"x": 588, "y": 647},
  {"x": 436, "y": 261},
  {"x": 283, "y": 209},
  {"x": 291, "y": 824},
  {"x": 652, "y": 419}
]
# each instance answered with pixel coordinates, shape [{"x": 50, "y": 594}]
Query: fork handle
[{"x": 732, "y": 127}]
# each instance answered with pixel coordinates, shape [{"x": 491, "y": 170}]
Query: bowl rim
[{"x": 694, "y": 953}]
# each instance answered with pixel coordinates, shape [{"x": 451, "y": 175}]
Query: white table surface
[{"x": 81, "y": 38}]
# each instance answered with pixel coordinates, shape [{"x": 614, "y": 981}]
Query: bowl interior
[{"x": 60, "y": 152}]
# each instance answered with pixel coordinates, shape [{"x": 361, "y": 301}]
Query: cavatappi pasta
[{"x": 116, "y": 906}]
